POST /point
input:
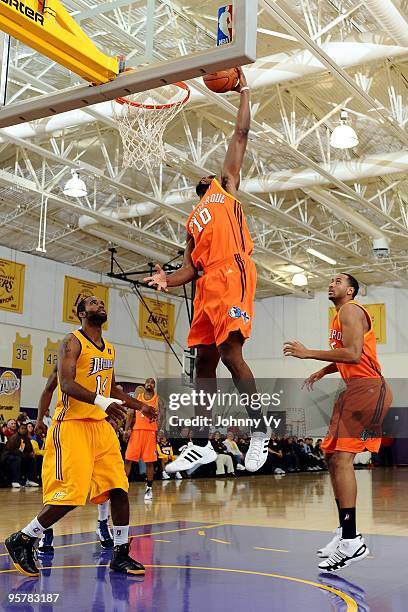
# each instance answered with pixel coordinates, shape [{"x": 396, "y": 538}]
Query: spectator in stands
[
  {"x": 23, "y": 418},
  {"x": 223, "y": 459},
  {"x": 38, "y": 444},
  {"x": 243, "y": 444},
  {"x": 233, "y": 450},
  {"x": 290, "y": 455},
  {"x": 164, "y": 455},
  {"x": 47, "y": 419},
  {"x": 18, "y": 459},
  {"x": 274, "y": 461},
  {"x": 3, "y": 439},
  {"x": 11, "y": 428}
]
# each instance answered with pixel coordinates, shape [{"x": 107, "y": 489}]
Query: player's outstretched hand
[
  {"x": 116, "y": 412},
  {"x": 295, "y": 349},
  {"x": 313, "y": 378},
  {"x": 242, "y": 80},
  {"x": 158, "y": 280},
  {"x": 149, "y": 412}
]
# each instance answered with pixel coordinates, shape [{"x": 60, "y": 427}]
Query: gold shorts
[{"x": 82, "y": 458}]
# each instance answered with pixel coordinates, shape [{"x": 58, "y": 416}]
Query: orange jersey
[
  {"x": 142, "y": 422},
  {"x": 219, "y": 229},
  {"x": 368, "y": 367}
]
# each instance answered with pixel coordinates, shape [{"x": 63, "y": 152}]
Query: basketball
[{"x": 222, "y": 81}]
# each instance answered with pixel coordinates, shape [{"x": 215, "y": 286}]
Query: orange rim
[{"x": 180, "y": 84}]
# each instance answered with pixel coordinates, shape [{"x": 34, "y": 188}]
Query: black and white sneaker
[
  {"x": 258, "y": 451},
  {"x": 331, "y": 547},
  {"x": 192, "y": 456},
  {"x": 348, "y": 552}
]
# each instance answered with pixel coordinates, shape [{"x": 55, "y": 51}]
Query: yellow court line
[
  {"x": 219, "y": 541},
  {"x": 350, "y": 602},
  {"x": 138, "y": 535},
  {"x": 157, "y": 540},
  {"x": 272, "y": 549}
]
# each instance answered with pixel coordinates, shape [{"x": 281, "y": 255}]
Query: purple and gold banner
[{"x": 10, "y": 391}]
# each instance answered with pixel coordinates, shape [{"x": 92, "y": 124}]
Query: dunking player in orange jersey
[
  {"x": 357, "y": 415},
  {"x": 219, "y": 244}
]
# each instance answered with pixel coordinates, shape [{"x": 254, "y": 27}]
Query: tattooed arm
[{"x": 68, "y": 354}]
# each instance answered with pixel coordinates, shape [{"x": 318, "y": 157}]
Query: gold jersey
[{"x": 94, "y": 371}]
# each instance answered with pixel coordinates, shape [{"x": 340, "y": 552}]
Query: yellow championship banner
[
  {"x": 23, "y": 354},
  {"x": 11, "y": 285},
  {"x": 162, "y": 313},
  {"x": 50, "y": 357},
  {"x": 10, "y": 390},
  {"x": 75, "y": 290},
  {"x": 377, "y": 313}
]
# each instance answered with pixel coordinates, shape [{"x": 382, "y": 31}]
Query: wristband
[
  {"x": 104, "y": 402},
  {"x": 244, "y": 89}
]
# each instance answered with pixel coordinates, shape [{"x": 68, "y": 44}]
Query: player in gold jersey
[{"x": 82, "y": 454}]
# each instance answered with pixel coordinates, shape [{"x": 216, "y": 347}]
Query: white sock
[
  {"x": 103, "y": 511},
  {"x": 120, "y": 534},
  {"x": 34, "y": 529}
]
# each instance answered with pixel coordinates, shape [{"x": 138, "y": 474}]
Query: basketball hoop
[{"x": 142, "y": 120}]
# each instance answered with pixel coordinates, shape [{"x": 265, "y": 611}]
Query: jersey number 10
[{"x": 205, "y": 218}]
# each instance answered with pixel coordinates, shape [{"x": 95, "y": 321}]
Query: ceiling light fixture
[
  {"x": 343, "y": 136},
  {"x": 321, "y": 256},
  {"x": 75, "y": 186},
  {"x": 299, "y": 280}
]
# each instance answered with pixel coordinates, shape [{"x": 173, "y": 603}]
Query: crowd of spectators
[{"x": 21, "y": 453}]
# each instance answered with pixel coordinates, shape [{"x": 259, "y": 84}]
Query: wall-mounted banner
[
  {"x": 11, "y": 285},
  {"x": 163, "y": 313},
  {"x": 10, "y": 390},
  {"x": 50, "y": 357},
  {"x": 23, "y": 354},
  {"x": 378, "y": 314},
  {"x": 75, "y": 290}
]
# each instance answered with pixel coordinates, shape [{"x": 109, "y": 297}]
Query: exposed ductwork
[
  {"x": 266, "y": 72},
  {"x": 390, "y": 19}
]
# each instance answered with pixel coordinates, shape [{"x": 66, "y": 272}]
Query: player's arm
[
  {"x": 161, "y": 281},
  {"x": 45, "y": 400},
  {"x": 352, "y": 321},
  {"x": 131, "y": 402},
  {"x": 68, "y": 354},
  {"x": 230, "y": 177}
]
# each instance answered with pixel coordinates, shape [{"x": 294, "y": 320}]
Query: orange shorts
[
  {"x": 358, "y": 414},
  {"x": 142, "y": 445},
  {"x": 224, "y": 302}
]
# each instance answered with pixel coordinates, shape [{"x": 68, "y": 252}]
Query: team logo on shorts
[
  {"x": 59, "y": 495},
  {"x": 234, "y": 312}
]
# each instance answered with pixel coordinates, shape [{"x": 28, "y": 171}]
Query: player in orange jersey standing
[
  {"x": 143, "y": 435},
  {"x": 219, "y": 244},
  {"x": 358, "y": 413}
]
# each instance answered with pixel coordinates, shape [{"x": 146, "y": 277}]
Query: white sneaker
[
  {"x": 192, "y": 456},
  {"x": 165, "y": 475},
  {"x": 258, "y": 451},
  {"x": 240, "y": 467},
  {"x": 31, "y": 483},
  {"x": 348, "y": 552},
  {"x": 331, "y": 547},
  {"x": 178, "y": 476},
  {"x": 148, "y": 496},
  {"x": 16, "y": 485},
  {"x": 279, "y": 471}
]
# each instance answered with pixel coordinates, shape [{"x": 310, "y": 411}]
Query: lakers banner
[
  {"x": 378, "y": 315},
  {"x": 23, "y": 354},
  {"x": 50, "y": 357},
  {"x": 10, "y": 390},
  {"x": 162, "y": 313},
  {"x": 11, "y": 285},
  {"x": 75, "y": 290}
]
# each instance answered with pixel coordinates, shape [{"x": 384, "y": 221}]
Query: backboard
[{"x": 164, "y": 40}]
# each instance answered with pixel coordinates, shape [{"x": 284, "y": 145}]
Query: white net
[{"x": 142, "y": 120}]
